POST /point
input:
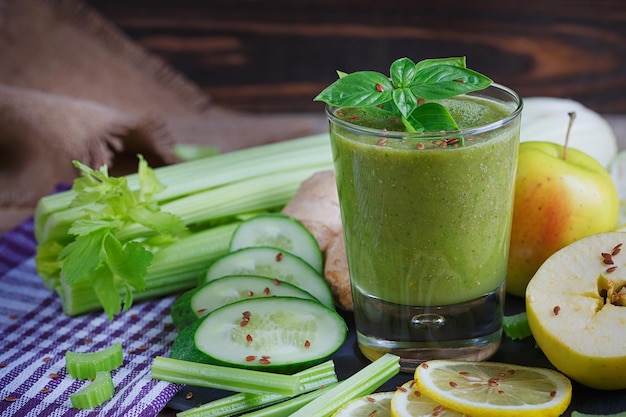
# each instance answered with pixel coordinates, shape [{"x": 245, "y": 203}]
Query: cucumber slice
[
  {"x": 199, "y": 302},
  {"x": 277, "y": 334},
  {"x": 279, "y": 231},
  {"x": 273, "y": 263}
]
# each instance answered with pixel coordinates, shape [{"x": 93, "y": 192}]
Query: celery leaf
[
  {"x": 129, "y": 261},
  {"x": 149, "y": 184},
  {"x": 159, "y": 221},
  {"x": 83, "y": 255},
  {"x": 96, "y": 254},
  {"x": 103, "y": 284}
]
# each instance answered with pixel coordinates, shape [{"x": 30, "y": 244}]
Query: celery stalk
[
  {"x": 287, "y": 408},
  {"x": 100, "y": 390},
  {"x": 259, "y": 193},
  {"x": 124, "y": 219},
  {"x": 185, "y": 176},
  {"x": 364, "y": 382},
  {"x": 86, "y": 365},
  {"x": 311, "y": 379},
  {"x": 175, "y": 268},
  {"x": 516, "y": 326},
  {"x": 221, "y": 377},
  {"x": 53, "y": 217}
]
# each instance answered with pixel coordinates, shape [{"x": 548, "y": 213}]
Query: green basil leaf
[
  {"x": 455, "y": 61},
  {"x": 412, "y": 125},
  {"x": 433, "y": 117},
  {"x": 385, "y": 110},
  {"x": 358, "y": 89},
  {"x": 444, "y": 81},
  {"x": 405, "y": 100},
  {"x": 402, "y": 72}
]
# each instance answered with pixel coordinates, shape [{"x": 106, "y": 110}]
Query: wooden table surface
[{"x": 276, "y": 55}]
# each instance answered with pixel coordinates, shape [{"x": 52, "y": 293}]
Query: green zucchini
[
  {"x": 279, "y": 231},
  {"x": 275, "y": 334},
  {"x": 273, "y": 263},
  {"x": 199, "y": 302}
]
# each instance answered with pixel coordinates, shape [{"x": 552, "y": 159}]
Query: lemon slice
[
  {"x": 494, "y": 389},
  {"x": 375, "y": 405},
  {"x": 407, "y": 401}
]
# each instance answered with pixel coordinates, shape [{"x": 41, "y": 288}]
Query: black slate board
[{"x": 349, "y": 360}]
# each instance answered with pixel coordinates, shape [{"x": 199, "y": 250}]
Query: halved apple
[{"x": 576, "y": 306}]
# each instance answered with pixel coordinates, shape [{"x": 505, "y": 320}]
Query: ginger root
[{"x": 316, "y": 206}]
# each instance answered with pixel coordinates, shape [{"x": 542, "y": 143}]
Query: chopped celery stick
[
  {"x": 87, "y": 365},
  {"x": 310, "y": 380},
  {"x": 98, "y": 391},
  {"x": 516, "y": 326},
  {"x": 364, "y": 382},
  {"x": 223, "y": 377},
  {"x": 287, "y": 408}
]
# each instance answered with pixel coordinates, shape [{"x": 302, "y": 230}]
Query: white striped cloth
[{"x": 35, "y": 334}]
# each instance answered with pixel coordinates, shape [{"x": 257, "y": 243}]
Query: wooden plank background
[{"x": 276, "y": 55}]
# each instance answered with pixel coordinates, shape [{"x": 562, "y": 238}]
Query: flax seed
[{"x": 607, "y": 258}]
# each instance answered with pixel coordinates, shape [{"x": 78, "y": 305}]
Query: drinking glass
[{"x": 427, "y": 220}]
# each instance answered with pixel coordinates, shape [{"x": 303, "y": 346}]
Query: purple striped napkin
[{"x": 36, "y": 334}]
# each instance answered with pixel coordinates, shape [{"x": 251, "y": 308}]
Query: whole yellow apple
[
  {"x": 561, "y": 195},
  {"x": 576, "y": 307}
]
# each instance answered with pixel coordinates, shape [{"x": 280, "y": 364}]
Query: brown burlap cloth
[{"x": 73, "y": 86}]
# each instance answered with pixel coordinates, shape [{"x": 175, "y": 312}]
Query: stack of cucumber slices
[{"x": 265, "y": 305}]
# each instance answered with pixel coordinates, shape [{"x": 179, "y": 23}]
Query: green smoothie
[{"x": 426, "y": 222}]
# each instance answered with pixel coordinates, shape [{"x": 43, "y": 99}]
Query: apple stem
[{"x": 572, "y": 116}]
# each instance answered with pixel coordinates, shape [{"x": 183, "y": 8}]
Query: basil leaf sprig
[{"x": 407, "y": 91}]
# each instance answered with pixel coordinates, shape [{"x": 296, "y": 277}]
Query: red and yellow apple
[
  {"x": 561, "y": 195},
  {"x": 576, "y": 307}
]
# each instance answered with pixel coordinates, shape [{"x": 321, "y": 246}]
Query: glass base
[
  {"x": 412, "y": 354},
  {"x": 470, "y": 330}
]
